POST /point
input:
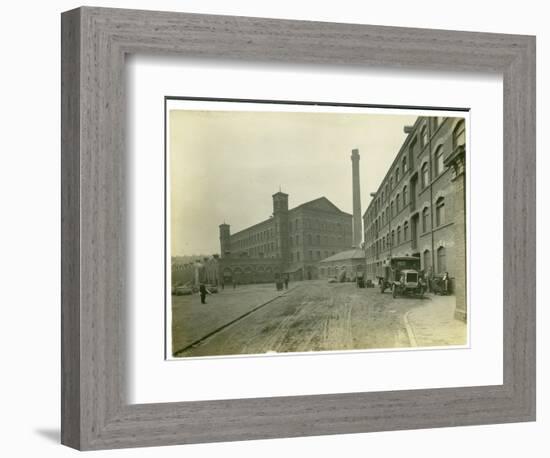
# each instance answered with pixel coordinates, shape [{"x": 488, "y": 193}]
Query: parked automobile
[
  {"x": 212, "y": 288},
  {"x": 401, "y": 275},
  {"x": 410, "y": 283},
  {"x": 184, "y": 290}
]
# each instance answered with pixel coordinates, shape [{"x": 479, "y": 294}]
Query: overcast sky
[{"x": 225, "y": 166}]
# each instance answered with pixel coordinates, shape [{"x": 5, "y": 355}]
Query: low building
[{"x": 344, "y": 265}]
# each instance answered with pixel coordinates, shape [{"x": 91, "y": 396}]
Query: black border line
[{"x": 321, "y": 104}]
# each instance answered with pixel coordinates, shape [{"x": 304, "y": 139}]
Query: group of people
[
  {"x": 281, "y": 282},
  {"x": 437, "y": 284}
]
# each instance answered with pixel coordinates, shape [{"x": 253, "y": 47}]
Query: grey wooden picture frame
[{"x": 95, "y": 411}]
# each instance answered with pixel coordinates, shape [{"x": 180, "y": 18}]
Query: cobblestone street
[{"x": 310, "y": 316}]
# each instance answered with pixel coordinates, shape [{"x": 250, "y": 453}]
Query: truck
[{"x": 402, "y": 275}]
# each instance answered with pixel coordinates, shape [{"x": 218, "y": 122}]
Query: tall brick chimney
[{"x": 357, "y": 225}]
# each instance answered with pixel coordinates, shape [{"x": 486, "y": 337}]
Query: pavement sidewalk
[
  {"x": 434, "y": 324},
  {"x": 192, "y": 321}
]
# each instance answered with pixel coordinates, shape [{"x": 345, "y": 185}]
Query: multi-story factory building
[
  {"x": 291, "y": 242},
  {"x": 419, "y": 207}
]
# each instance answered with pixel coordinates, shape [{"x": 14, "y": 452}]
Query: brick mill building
[
  {"x": 290, "y": 242},
  {"x": 419, "y": 207}
]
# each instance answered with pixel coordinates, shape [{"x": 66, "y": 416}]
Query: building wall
[
  {"x": 291, "y": 242},
  {"x": 315, "y": 235},
  {"x": 390, "y": 222},
  {"x": 330, "y": 269}
]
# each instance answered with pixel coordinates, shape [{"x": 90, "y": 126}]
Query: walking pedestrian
[{"x": 286, "y": 282}]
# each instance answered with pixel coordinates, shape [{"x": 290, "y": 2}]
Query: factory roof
[{"x": 356, "y": 253}]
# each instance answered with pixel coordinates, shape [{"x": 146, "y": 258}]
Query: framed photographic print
[{"x": 280, "y": 228}]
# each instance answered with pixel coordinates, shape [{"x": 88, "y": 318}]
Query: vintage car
[
  {"x": 401, "y": 275},
  {"x": 212, "y": 288},
  {"x": 410, "y": 283},
  {"x": 184, "y": 290}
]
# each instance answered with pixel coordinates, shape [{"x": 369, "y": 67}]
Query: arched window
[
  {"x": 424, "y": 136},
  {"x": 393, "y": 238},
  {"x": 439, "y": 166},
  {"x": 392, "y": 212},
  {"x": 396, "y": 175},
  {"x": 425, "y": 174},
  {"x": 441, "y": 260},
  {"x": 406, "y": 231},
  {"x": 425, "y": 216},
  {"x": 440, "y": 211},
  {"x": 427, "y": 260},
  {"x": 404, "y": 164},
  {"x": 397, "y": 203},
  {"x": 459, "y": 134},
  {"x": 398, "y": 235},
  {"x": 405, "y": 196}
]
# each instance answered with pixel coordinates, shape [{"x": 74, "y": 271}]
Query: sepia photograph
[{"x": 295, "y": 227}]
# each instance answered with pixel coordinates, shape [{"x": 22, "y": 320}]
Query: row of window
[
  {"x": 459, "y": 138},
  {"x": 293, "y": 226},
  {"x": 318, "y": 240},
  {"x": 333, "y": 271},
  {"x": 311, "y": 255},
  {"x": 253, "y": 238},
  {"x": 328, "y": 226},
  {"x": 394, "y": 238}
]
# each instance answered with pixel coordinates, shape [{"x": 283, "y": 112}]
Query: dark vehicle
[
  {"x": 212, "y": 288},
  {"x": 402, "y": 276},
  {"x": 183, "y": 290}
]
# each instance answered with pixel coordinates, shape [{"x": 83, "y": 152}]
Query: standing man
[
  {"x": 429, "y": 279},
  {"x": 286, "y": 281},
  {"x": 203, "y": 292}
]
